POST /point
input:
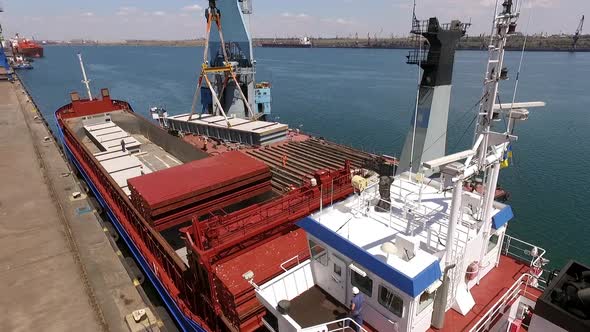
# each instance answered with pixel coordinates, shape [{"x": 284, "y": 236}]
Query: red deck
[
  {"x": 492, "y": 287},
  {"x": 265, "y": 261}
]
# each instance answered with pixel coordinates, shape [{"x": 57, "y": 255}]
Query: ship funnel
[{"x": 427, "y": 137}]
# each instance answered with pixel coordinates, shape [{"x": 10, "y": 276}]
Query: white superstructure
[{"x": 420, "y": 257}]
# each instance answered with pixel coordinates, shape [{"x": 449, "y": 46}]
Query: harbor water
[{"x": 365, "y": 98}]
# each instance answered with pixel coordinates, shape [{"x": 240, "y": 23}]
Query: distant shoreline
[{"x": 534, "y": 43}]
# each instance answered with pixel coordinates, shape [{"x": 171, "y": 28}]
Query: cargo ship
[
  {"x": 28, "y": 48},
  {"x": 243, "y": 224},
  {"x": 304, "y": 42}
]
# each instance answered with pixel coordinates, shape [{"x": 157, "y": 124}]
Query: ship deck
[
  {"x": 293, "y": 160},
  {"x": 153, "y": 156},
  {"x": 493, "y": 286},
  {"x": 315, "y": 307}
]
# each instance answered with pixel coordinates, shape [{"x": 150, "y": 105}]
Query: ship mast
[
  {"x": 490, "y": 146},
  {"x": 85, "y": 80},
  {"x": 504, "y": 25}
]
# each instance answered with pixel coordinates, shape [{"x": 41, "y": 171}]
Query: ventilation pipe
[{"x": 440, "y": 301}]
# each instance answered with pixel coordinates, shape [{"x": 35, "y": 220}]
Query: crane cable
[
  {"x": 205, "y": 51},
  {"x": 519, "y": 69},
  {"x": 419, "y": 39}
]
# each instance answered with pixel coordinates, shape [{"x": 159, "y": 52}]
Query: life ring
[{"x": 472, "y": 271}]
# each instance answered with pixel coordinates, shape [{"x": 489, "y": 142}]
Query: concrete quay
[{"x": 59, "y": 270}]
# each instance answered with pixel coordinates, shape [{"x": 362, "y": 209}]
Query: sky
[{"x": 116, "y": 20}]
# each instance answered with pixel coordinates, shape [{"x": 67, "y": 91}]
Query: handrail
[
  {"x": 423, "y": 211},
  {"x": 527, "y": 254},
  {"x": 341, "y": 326},
  {"x": 512, "y": 293},
  {"x": 289, "y": 260},
  {"x": 267, "y": 325}
]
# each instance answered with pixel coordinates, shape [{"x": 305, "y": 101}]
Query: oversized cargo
[{"x": 172, "y": 196}]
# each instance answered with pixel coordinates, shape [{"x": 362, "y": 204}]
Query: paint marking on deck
[
  {"x": 162, "y": 161},
  {"x": 174, "y": 159}
]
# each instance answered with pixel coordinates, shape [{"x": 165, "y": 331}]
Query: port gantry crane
[
  {"x": 578, "y": 33},
  {"x": 225, "y": 62}
]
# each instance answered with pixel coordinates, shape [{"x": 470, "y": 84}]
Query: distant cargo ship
[
  {"x": 26, "y": 47},
  {"x": 304, "y": 42}
]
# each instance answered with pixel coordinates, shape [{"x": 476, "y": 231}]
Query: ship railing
[
  {"x": 340, "y": 325},
  {"x": 500, "y": 308},
  {"x": 530, "y": 254},
  {"x": 237, "y": 227},
  {"x": 422, "y": 213},
  {"x": 420, "y": 27},
  {"x": 289, "y": 262},
  {"x": 423, "y": 56},
  {"x": 411, "y": 199},
  {"x": 268, "y": 326}
]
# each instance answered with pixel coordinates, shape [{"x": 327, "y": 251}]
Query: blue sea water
[{"x": 365, "y": 98}]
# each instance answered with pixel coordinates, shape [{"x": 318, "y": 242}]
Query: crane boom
[{"x": 578, "y": 33}]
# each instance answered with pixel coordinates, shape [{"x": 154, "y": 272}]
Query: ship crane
[
  {"x": 223, "y": 62},
  {"x": 578, "y": 33}
]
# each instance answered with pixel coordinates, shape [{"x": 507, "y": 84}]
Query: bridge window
[
  {"x": 364, "y": 284},
  {"x": 391, "y": 301},
  {"x": 425, "y": 300},
  {"x": 318, "y": 253},
  {"x": 493, "y": 243}
]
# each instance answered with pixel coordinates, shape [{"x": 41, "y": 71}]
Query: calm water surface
[{"x": 365, "y": 98}]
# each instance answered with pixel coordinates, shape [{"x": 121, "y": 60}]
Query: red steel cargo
[{"x": 160, "y": 194}]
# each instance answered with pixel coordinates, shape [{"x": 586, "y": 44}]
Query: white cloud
[
  {"x": 338, "y": 20},
  {"x": 159, "y": 13},
  {"x": 540, "y": 3},
  {"x": 125, "y": 11},
  {"x": 300, "y": 15},
  {"x": 88, "y": 14},
  {"x": 192, "y": 8}
]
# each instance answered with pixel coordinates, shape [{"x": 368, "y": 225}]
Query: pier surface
[{"x": 58, "y": 268}]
